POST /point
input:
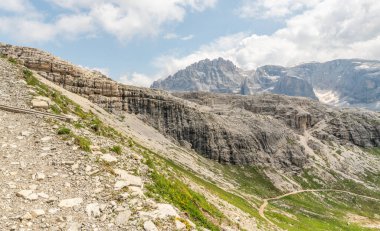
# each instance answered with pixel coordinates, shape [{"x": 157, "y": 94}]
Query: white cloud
[
  {"x": 222, "y": 47},
  {"x": 103, "y": 70},
  {"x": 120, "y": 18},
  {"x": 27, "y": 30},
  {"x": 188, "y": 37},
  {"x": 326, "y": 31},
  {"x": 33, "y": 29},
  {"x": 273, "y": 8},
  {"x": 170, "y": 36},
  {"x": 19, "y": 6},
  {"x": 73, "y": 25},
  {"x": 136, "y": 79}
]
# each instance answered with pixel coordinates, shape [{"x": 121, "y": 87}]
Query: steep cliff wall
[{"x": 352, "y": 126}]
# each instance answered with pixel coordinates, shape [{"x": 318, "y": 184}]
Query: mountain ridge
[{"x": 353, "y": 82}]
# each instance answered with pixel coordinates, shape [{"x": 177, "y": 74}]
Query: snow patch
[
  {"x": 327, "y": 96},
  {"x": 367, "y": 66}
]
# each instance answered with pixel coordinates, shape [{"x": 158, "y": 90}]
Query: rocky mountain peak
[
  {"x": 217, "y": 75},
  {"x": 218, "y": 63}
]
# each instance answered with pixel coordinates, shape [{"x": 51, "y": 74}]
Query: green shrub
[
  {"x": 83, "y": 143},
  {"x": 78, "y": 125},
  {"x": 29, "y": 78},
  {"x": 79, "y": 112},
  {"x": 55, "y": 109},
  {"x": 131, "y": 143},
  {"x": 116, "y": 149},
  {"x": 64, "y": 131},
  {"x": 96, "y": 125},
  {"x": 291, "y": 141},
  {"x": 12, "y": 60}
]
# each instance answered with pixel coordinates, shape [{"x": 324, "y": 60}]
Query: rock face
[
  {"x": 226, "y": 128},
  {"x": 216, "y": 75},
  {"x": 354, "y": 81},
  {"x": 300, "y": 114},
  {"x": 294, "y": 86},
  {"x": 350, "y": 82}
]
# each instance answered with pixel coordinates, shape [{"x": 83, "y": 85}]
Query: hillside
[
  {"x": 238, "y": 156},
  {"x": 343, "y": 82}
]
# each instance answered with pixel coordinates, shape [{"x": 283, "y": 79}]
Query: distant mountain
[
  {"x": 342, "y": 82},
  {"x": 218, "y": 75}
]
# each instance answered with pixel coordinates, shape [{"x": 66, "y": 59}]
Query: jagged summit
[
  {"x": 219, "y": 62},
  {"x": 217, "y": 75}
]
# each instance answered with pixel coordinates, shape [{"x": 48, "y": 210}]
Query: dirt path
[{"x": 266, "y": 201}]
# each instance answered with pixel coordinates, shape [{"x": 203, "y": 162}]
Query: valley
[{"x": 197, "y": 160}]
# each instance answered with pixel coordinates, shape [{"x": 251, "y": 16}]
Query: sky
[{"x": 139, "y": 41}]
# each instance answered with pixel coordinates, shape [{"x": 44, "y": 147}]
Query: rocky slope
[
  {"x": 50, "y": 181},
  {"x": 351, "y": 82}
]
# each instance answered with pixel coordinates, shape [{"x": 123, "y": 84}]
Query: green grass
[
  {"x": 291, "y": 141},
  {"x": 55, "y": 109},
  {"x": 131, "y": 143},
  {"x": 65, "y": 105},
  {"x": 250, "y": 179},
  {"x": 171, "y": 189},
  {"x": 61, "y": 102},
  {"x": 63, "y": 131},
  {"x": 320, "y": 213},
  {"x": 328, "y": 212},
  {"x": 12, "y": 60},
  {"x": 230, "y": 197},
  {"x": 116, "y": 149},
  {"x": 309, "y": 181},
  {"x": 83, "y": 142},
  {"x": 30, "y": 79},
  {"x": 374, "y": 151}
]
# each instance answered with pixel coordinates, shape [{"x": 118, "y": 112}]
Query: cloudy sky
[{"x": 138, "y": 41}]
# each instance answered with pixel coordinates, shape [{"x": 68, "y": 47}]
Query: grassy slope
[{"x": 327, "y": 211}]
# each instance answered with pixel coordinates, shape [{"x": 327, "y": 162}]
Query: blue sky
[{"x": 136, "y": 42}]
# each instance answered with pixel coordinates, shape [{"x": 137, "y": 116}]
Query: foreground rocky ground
[{"x": 49, "y": 183}]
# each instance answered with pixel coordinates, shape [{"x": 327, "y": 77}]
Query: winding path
[{"x": 266, "y": 201}]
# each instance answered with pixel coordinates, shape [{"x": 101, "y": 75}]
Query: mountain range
[
  {"x": 83, "y": 152},
  {"x": 341, "y": 82}
]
